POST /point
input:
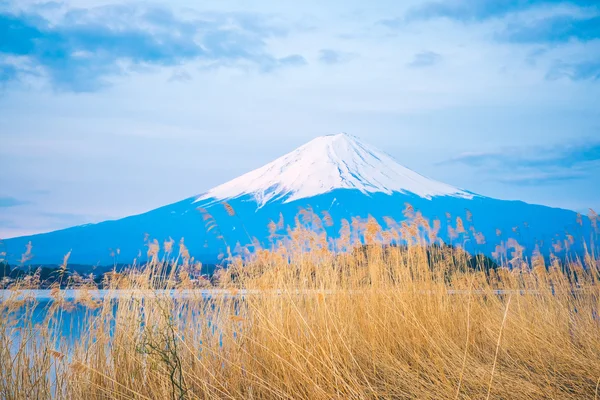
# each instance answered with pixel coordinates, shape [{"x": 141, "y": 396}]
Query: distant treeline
[
  {"x": 46, "y": 275},
  {"x": 475, "y": 262},
  {"x": 49, "y": 275}
]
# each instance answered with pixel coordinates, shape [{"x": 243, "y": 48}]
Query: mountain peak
[
  {"x": 326, "y": 163},
  {"x": 334, "y": 137}
]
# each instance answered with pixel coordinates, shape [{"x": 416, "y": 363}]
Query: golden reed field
[{"x": 301, "y": 321}]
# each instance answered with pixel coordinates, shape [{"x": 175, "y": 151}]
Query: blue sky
[{"x": 109, "y": 109}]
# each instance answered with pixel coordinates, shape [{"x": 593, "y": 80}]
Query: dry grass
[{"x": 301, "y": 321}]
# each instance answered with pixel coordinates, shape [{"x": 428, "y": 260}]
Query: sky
[{"x": 109, "y": 109}]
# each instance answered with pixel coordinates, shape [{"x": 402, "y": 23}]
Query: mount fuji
[{"x": 337, "y": 174}]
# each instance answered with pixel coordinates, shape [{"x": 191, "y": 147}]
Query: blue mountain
[{"x": 336, "y": 177}]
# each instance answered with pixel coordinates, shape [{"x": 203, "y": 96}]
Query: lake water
[{"x": 43, "y": 295}]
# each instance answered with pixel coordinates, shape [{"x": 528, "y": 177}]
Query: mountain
[
  {"x": 337, "y": 174},
  {"x": 329, "y": 163}
]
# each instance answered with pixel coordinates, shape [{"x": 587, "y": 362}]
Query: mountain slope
[{"x": 337, "y": 174}]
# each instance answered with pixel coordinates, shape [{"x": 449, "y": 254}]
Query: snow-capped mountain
[
  {"x": 327, "y": 163},
  {"x": 336, "y": 174}
]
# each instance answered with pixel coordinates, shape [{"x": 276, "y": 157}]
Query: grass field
[{"x": 300, "y": 321}]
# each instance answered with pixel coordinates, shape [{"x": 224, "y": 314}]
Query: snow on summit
[{"x": 327, "y": 163}]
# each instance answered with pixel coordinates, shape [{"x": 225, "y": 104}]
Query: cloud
[
  {"x": 11, "y": 202},
  {"x": 475, "y": 159},
  {"x": 560, "y": 30},
  {"x": 7, "y": 73},
  {"x": 542, "y": 178},
  {"x": 180, "y": 76},
  {"x": 477, "y": 10},
  {"x": 272, "y": 64},
  {"x": 82, "y": 48},
  {"x": 332, "y": 57},
  {"x": 566, "y": 156},
  {"x": 541, "y": 165},
  {"x": 425, "y": 59},
  {"x": 575, "y": 71},
  {"x": 328, "y": 56},
  {"x": 68, "y": 219},
  {"x": 552, "y": 30},
  {"x": 294, "y": 60},
  {"x": 7, "y": 223},
  {"x": 550, "y": 25}
]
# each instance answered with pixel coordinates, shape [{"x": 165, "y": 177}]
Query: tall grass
[{"x": 300, "y": 320}]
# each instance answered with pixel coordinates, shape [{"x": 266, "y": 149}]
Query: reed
[{"x": 316, "y": 318}]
